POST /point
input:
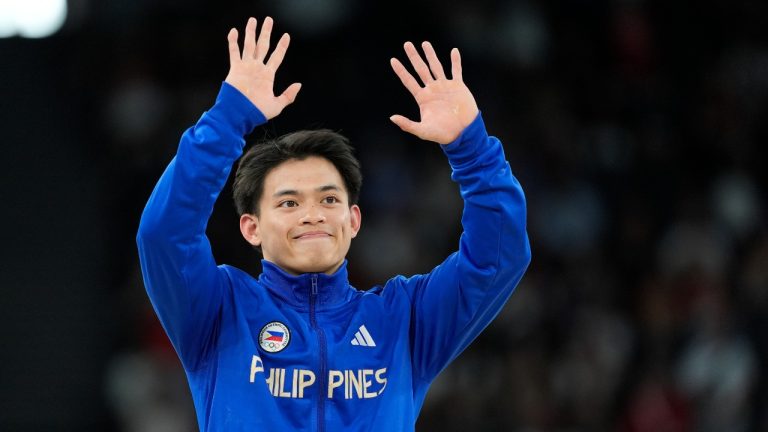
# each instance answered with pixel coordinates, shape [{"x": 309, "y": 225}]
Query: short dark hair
[{"x": 261, "y": 158}]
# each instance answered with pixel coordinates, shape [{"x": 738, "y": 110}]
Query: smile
[{"x": 312, "y": 235}]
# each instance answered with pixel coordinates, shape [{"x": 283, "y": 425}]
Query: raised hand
[
  {"x": 255, "y": 78},
  {"x": 446, "y": 106}
]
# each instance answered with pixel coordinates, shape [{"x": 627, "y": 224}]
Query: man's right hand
[{"x": 255, "y": 78}]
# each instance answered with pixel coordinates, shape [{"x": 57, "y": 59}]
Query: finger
[
  {"x": 406, "y": 78},
  {"x": 405, "y": 124},
  {"x": 249, "y": 44},
  {"x": 276, "y": 58},
  {"x": 289, "y": 95},
  {"x": 434, "y": 63},
  {"x": 234, "y": 49},
  {"x": 418, "y": 64},
  {"x": 456, "y": 65},
  {"x": 262, "y": 46}
]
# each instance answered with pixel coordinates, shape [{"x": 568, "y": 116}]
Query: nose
[{"x": 313, "y": 216}]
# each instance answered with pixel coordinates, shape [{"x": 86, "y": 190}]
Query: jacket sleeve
[
  {"x": 181, "y": 277},
  {"x": 453, "y": 303}
]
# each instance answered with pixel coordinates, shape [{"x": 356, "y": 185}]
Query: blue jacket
[{"x": 310, "y": 352}]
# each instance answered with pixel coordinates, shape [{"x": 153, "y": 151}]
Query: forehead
[{"x": 300, "y": 175}]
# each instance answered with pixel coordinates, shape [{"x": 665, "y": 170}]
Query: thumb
[
  {"x": 289, "y": 95},
  {"x": 405, "y": 124}
]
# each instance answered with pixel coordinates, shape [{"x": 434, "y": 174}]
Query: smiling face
[{"x": 305, "y": 223}]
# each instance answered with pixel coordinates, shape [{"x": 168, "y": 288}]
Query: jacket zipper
[{"x": 322, "y": 385}]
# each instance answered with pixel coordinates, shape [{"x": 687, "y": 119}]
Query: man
[{"x": 299, "y": 348}]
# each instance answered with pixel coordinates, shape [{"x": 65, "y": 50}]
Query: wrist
[{"x": 235, "y": 108}]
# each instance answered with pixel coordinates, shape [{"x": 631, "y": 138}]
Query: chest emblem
[
  {"x": 274, "y": 337},
  {"x": 363, "y": 338}
]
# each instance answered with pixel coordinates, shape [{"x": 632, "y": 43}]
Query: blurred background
[{"x": 634, "y": 127}]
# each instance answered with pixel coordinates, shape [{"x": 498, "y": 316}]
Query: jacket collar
[{"x": 297, "y": 290}]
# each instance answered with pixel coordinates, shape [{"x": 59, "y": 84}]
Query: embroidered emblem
[{"x": 274, "y": 337}]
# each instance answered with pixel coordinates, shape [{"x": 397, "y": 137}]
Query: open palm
[
  {"x": 446, "y": 106},
  {"x": 254, "y": 75}
]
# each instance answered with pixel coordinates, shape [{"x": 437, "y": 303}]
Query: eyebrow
[{"x": 287, "y": 192}]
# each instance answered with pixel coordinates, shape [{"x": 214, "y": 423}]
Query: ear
[
  {"x": 249, "y": 228},
  {"x": 355, "y": 219}
]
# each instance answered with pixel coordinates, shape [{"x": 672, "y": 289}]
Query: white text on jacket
[{"x": 292, "y": 383}]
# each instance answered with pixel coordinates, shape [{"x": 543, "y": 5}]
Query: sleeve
[
  {"x": 453, "y": 303},
  {"x": 180, "y": 274}
]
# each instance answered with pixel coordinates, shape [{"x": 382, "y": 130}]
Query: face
[{"x": 305, "y": 222}]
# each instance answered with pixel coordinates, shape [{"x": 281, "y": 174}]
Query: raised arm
[
  {"x": 180, "y": 274},
  {"x": 454, "y": 302}
]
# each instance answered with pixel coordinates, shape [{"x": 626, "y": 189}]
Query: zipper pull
[{"x": 314, "y": 284}]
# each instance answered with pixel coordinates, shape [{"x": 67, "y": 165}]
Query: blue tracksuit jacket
[{"x": 310, "y": 352}]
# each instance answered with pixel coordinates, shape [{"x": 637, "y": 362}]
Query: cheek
[
  {"x": 343, "y": 222},
  {"x": 275, "y": 230}
]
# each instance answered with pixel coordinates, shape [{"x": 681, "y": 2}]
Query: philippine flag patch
[{"x": 274, "y": 337}]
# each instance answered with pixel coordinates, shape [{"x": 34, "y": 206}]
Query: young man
[{"x": 299, "y": 348}]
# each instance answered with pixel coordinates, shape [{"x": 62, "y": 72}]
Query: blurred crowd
[{"x": 634, "y": 127}]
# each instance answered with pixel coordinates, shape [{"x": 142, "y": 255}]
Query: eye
[
  {"x": 330, "y": 200},
  {"x": 288, "y": 203}
]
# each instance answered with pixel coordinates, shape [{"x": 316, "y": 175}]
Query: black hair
[{"x": 261, "y": 158}]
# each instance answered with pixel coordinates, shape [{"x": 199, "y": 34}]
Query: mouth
[{"x": 312, "y": 235}]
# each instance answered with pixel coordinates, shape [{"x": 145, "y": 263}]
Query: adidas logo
[{"x": 363, "y": 338}]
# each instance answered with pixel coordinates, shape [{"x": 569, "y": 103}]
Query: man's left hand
[{"x": 446, "y": 106}]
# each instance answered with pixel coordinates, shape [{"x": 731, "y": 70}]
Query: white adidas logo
[{"x": 363, "y": 338}]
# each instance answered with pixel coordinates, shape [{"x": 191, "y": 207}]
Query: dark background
[{"x": 634, "y": 126}]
